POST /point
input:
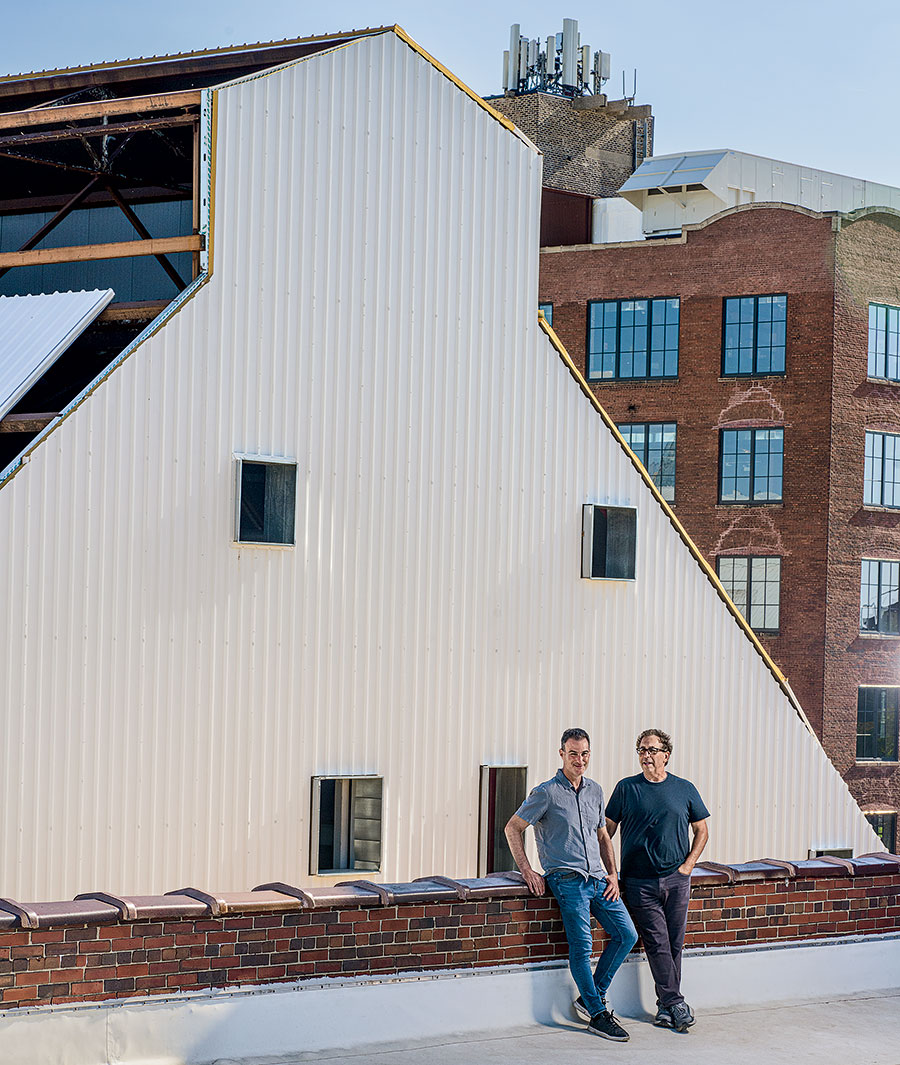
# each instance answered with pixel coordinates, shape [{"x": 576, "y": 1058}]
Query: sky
[{"x": 807, "y": 82}]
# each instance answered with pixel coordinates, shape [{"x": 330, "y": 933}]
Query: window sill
[
  {"x": 632, "y": 380},
  {"x": 252, "y": 545},
  {"x": 880, "y": 510},
  {"x": 867, "y": 635},
  {"x": 724, "y": 378},
  {"x": 773, "y": 504},
  {"x": 876, "y": 761},
  {"x": 883, "y": 381}
]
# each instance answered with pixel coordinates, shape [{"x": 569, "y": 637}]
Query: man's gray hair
[{"x": 664, "y": 738}]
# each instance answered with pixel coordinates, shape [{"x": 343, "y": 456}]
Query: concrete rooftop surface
[{"x": 861, "y": 1029}]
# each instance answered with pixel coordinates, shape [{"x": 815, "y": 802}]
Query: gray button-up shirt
[{"x": 565, "y": 824}]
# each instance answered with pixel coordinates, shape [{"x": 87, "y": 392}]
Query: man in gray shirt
[{"x": 576, "y": 853}]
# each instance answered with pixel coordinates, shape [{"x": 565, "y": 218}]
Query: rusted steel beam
[
  {"x": 127, "y": 105},
  {"x": 50, "y": 136},
  {"x": 25, "y": 423},
  {"x": 89, "y": 252}
]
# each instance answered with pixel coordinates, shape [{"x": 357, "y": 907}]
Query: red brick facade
[
  {"x": 823, "y": 401},
  {"x": 268, "y": 937}
]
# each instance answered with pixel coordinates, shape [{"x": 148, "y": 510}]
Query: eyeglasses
[{"x": 650, "y": 750}]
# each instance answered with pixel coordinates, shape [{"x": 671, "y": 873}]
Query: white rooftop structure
[{"x": 689, "y": 187}]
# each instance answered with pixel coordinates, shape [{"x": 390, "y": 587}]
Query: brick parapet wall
[{"x": 92, "y": 951}]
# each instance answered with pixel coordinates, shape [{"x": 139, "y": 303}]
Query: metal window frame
[
  {"x": 750, "y": 558},
  {"x": 260, "y": 460},
  {"x": 873, "y": 760},
  {"x": 754, "y": 372},
  {"x": 892, "y": 814},
  {"x": 869, "y": 353},
  {"x": 587, "y": 540},
  {"x": 880, "y": 479},
  {"x": 881, "y": 562},
  {"x": 315, "y": 822},
  {"x": 643, "y": 458},
  {"x": 486, "y": 825},
  {"x": 752, "y": 501},
  {"x": 649, "y": 300}
]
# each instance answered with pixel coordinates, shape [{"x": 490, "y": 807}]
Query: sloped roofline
[
  {"x": 232, "y": 49},
  {"x": 707, "y": 569}
]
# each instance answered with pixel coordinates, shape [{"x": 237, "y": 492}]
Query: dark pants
[{"x": 659, "y": 906}]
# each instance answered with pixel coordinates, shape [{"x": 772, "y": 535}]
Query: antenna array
[{"x": 564, "y": 66}]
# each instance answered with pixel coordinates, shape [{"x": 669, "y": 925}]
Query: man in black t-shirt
[{"x": 656, "y": 809}]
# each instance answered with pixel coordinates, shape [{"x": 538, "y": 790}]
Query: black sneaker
[
  {"x": 682, "y": 1017},
  {"x": 582, "y": 1010},
  {"x": 663, "y": 1018},
  {"x": 606, "y": 1026}
]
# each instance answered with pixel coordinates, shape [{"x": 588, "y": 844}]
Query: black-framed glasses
[{"x": 650, "y": 750}]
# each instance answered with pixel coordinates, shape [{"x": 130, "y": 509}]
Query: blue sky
[{"x": 809, "y": 82}]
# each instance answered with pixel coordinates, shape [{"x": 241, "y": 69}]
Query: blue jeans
[{"x": 578, "y": 899}]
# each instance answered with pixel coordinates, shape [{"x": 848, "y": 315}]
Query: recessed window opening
[
  {"x": 881, "y": 477},
  {"x": 885, "y": 825},
  {"x": 876, "y": 724},
  {"x": 346, "y": 824},
  {"x": 502, "y": 793},
  {"x": 632, "y": 338},
  {"x": 609, "y": 539},
  {"x": 754, "y": 335},
  {"x": 884, "y": 342},
  {"x": 547, "y": 308},
  {"x": 754, "y": 585},
  {"x": 654, "y": 445},
  {"x": 879, "y": 596},
  {"x": 266, "y": 498},
  {"x": 751, "y": 464}
]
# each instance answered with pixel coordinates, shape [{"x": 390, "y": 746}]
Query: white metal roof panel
[
  {"x": 35, "y": 331},
  {"x": 664, "y": 170}
]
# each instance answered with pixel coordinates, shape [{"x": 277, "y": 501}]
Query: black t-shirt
[{"x": 654, "y": 820}]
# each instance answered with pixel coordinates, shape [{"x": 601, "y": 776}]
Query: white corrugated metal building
[{"x": 366, "y": 336}]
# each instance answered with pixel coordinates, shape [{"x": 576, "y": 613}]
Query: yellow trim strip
[{"x": 708, "y": 570}]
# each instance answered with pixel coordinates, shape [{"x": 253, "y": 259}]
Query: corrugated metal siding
[
  {"x": 169, "y": 696},
  {"x": 35, "y": 331}
]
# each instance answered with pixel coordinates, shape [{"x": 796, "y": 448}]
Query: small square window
[
  {"x": 502, "y": 793},
  {"x": 751, "y": 465},
  {"x": 884, "y": 342},
  {"x": 879, "y": 596},
  {"x": 266, "y": 500},
  {"x": 754, "y": 584},
  {"x": 547, "y": 309},
  {"x": 654, "y": 444},
  {"x": 609, "y": 539},
  {"x": 346, "y": 824}
]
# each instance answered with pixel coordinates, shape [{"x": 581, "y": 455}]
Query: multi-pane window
[
  {"x": 632, "y": 338},
  {"x": 654, "y": 445},
  {"x": 502, "y": 793},
  {"x": 346, "y": 823},
  {"x": 876, "y": 724},
  {"x": 882, "y": 470},
  {"x": 884, "y": 341},
  {"x": 879, "y": 596},
  {"x": 751, "y": 464},
  {"x": 754, "y": 335},
  {"x": 547, "y": 308},
  {"x": 266, "y": 496},
  {"x": 885, "y": 826},
  {"x": 754, "y": 584}
]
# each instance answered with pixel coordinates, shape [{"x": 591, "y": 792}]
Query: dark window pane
[{"x": 268, "y": 492}]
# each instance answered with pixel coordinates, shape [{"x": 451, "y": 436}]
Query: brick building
[{"x": 752, "y": 361}]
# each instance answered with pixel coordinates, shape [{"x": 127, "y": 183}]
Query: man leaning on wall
[
  {"x": 656, "y": 809},
  {"x": 576, "y": 854}
]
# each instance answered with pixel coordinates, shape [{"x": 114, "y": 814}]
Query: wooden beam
[
  {"x": 25, "y": 423},
  {"x": 139, "y": 311},
  {"x": 89, "y": 252},
  {"x": 127, "y": 105},
  {"x": 143, "y": 232},
  {"x": 26, "y": 140}
]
